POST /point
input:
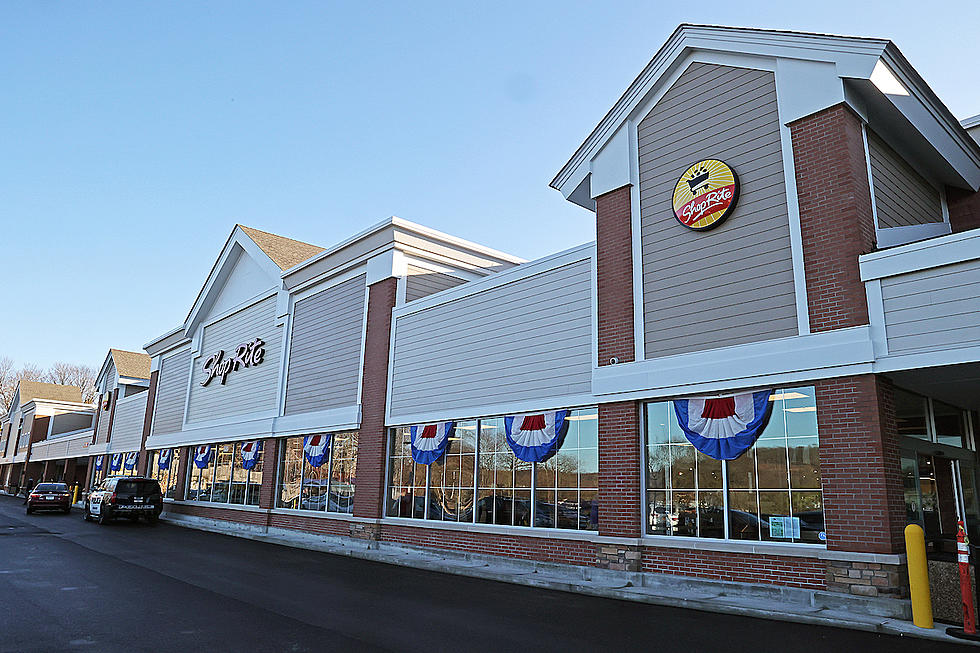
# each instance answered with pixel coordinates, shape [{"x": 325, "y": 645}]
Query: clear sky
[{"x": 133, "y": 135}]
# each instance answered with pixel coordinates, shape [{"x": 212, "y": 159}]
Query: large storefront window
[
  {"x": 168, "y": 475},
  {"x": 328, "y": 487},
  {"x": 771, "y": 492},
  {"x": 560, "y": 492},
  {"x": 223, "y": 477}
]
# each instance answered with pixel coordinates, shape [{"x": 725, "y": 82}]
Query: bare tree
[
  {"x": 80, "y": 376},
  {"x": 7, "y": 383},
  {"x": 9, "y": 378}
]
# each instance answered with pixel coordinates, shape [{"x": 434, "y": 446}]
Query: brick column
[
  {"x": 864, "y": 505},
  {"x": 614, "y": 275},
  {"x": 835, "y": 215},
  {"x": 185, "y": 460},
  {"x": 147, "y": 421},
  {"x": 964, "y": 209},
  {"x": 371, "y": 443},
  {"x": 270, "y": 456},
  {"x": 619, "y": 478}
]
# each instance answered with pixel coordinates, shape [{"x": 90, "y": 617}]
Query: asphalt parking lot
[{"x": 69, "y": 585}]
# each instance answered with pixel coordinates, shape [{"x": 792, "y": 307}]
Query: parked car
[
  {"x": 49, "y": 496},
  {"x": 125, "y": 496}
]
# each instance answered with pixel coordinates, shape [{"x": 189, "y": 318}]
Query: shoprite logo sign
[
  {"x": 705, "y": 194},
  {"x": 247, "y": 354}
]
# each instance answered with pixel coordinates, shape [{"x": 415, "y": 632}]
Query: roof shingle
[
  {"x": 284, "y": 252},
  {"x": 133, "y": 364}
]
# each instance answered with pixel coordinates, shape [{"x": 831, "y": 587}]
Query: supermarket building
[{"x": 787, "y": 240}]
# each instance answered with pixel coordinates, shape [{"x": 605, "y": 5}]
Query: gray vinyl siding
[
  {"x": 902, "y": 196},
  {"x": 168, "y": 405},
  {"x": 249, "y": 389},
  {"x": 103, "y": 432},
  {"x": 127, "y": 424},
  {"x": 732, "y": 284},
  {"x": 325, "y": 348},
  {"x": 25, "y": 434},
  {"x": 527, "y": 339},
  {"x": 110, "y": 377},
  {"x": 421, "y": 282},
  {"x": 932, "y": 310}
]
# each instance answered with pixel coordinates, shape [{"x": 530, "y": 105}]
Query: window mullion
[{"x": 333, "y": 443}]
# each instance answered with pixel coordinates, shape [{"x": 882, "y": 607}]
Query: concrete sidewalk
[{"x": 768, "y": 602}]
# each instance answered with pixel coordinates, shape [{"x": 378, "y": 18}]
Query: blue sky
[{"x": 134, "y": 135}]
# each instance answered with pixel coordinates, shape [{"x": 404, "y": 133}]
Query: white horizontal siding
[
  {"x": 249, "y": 389},
  {"x": 527, "y": 339},
  {"x": 127, "y": 424},
  {"x": 932, "y": 309},
  {"x": 421, "y": 283},
  {"x": 902, "y": 196}
]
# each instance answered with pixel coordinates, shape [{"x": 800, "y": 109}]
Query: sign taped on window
[{"x": 784, "y": 527}]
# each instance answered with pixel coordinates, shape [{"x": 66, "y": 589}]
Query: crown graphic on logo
[{"x": 699, "y": 180}]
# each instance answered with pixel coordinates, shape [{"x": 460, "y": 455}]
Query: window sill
[
  {"x": 786, "y": 549},
  {"x": 223, "y": 506},
  {"x": 317, "y": 514},
  {"x": 495, "y": 529}
]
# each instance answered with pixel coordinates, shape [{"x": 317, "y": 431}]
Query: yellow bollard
[
  {"x": 915, "y": 551},
  {"x": 74, "y": 498}
]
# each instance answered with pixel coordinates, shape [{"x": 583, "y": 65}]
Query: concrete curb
[{"x": 535, "y": 574}]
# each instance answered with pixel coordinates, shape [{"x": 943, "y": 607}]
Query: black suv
[{"x": 125, "y": 496}]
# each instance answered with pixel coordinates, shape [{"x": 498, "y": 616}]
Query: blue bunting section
[
  {"x": 536, "y": 437},
  {"x": 724, "y": 428},
  {"x": 115, "y": 463},
  {"x": 250, "y": 453},
  {"x": 316, "y": 448},
  {"x": 99, "y": 460},
  {"x": 202, "y": 456},
  {"x": 164, "y": 457},
  {"x": 429, "y": 441},
  {"x": 129, "y": 462}
]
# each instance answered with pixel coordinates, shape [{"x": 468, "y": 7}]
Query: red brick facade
[
  {"x": 614, "y": 274},
  {"x": 371, "y": 442},
  {"x": 746, "y": 568},
  {"x": 574, "y": 552},
  {"x": 836, "y": 220},
  {"x": 864, "y": 506},
  {"x": 964, "y": 209},
  {"x": 147, "y": 422},
  {"x": 620, "y": 462}
]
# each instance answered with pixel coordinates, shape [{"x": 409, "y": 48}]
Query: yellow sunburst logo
[{"x": 705, "y": 194}]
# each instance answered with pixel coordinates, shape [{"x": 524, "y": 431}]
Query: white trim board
[
  {"x": 821, "y": 355},
  {"x": 921, "y": 255}
]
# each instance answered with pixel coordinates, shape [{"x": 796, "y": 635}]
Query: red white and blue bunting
[
  {"x": 536, "y": 437},
  {"x": 316, "y": 448},
  {"x": 129, "y": 462},
  {"x": 99, "y": 460},
  {"x": 115, "y": 462},
  {"x": 164, "y": 456},
  {"x": 723, "y": 428},
  {"x": 429, "y": 441},
  {"x": 250, "y": 453},
  {"x": 202, "y": 456}
]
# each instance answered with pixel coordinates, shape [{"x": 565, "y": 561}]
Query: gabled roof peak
[{"x": 284, "y": 252}]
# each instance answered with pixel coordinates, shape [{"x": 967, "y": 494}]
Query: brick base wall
[
  {"x": 214, "y": 512},
  {"x": 515, "y": 546},
  {"x": 809, "y": 573}
]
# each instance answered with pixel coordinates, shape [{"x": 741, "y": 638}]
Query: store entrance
[{"x": 940, "y": 489}]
